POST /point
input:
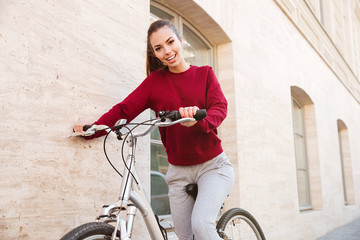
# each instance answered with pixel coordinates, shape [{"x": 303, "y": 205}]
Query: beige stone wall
[
  {"x": 61, "y": 61},
  {"x": 271, "y": 55}
]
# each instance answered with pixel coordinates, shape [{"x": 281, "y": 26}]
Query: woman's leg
[
  {"x": 215, "y": 181},
  {"x": 181, "y": 204}
]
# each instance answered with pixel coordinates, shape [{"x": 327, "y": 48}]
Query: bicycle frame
[{"x": 132, "y": 193}]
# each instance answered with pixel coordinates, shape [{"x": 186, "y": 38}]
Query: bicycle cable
[
  {"x": 132, "y": 149},
  {"x": 122, "y": 147},
  {"x": 107, "y": 157}
]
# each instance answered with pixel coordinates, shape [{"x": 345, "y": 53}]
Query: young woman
[{"x": 194, "y": 151}]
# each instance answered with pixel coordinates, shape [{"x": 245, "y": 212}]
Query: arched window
[
  {"x": 306, "y": 150},
  {"x": 346, "y": 166},
  {"x": 197, "y": 51},
  {"x": 301, "y": 155}
]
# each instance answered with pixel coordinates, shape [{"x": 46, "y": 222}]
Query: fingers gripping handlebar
[{"x": 175, "y": 115}]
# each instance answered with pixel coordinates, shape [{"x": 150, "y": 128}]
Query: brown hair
[{"x": 152, "y": 62}]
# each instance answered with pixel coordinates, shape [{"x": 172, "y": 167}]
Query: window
[
  {"x": 159, "y": 194},
  {"x": 300, "y": 155},
  {"x": 306, "y": 151},
  {"x": 345, "y": 159},
  {"x": 197, "y": 51}
]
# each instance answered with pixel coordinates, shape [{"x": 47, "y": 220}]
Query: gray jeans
[{"x": 215, "y": 179}]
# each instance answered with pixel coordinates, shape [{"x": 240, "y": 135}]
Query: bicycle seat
[{"x": 192, "y": 190}]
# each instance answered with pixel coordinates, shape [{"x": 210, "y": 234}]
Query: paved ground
[{"x": 350, "y": 231}]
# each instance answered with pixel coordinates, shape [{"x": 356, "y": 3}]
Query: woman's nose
[{"x": 167, "y": 49}]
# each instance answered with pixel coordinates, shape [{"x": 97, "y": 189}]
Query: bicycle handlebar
[
  {"x": 175, "y": 115},
  {"x": 165, "y": 119}
]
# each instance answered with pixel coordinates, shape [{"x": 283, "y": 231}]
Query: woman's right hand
[
  {"x": 78, "y": 127},
  {"x": 188, "y": 112}
]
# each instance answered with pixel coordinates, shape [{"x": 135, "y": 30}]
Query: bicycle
[{"x": 234, "y": 224}]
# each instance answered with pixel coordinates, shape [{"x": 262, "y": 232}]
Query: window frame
[
  {"x": 341, "y": 151},
  {"x": 308, "y": 205},
  {"x": 346, "y": 163}
]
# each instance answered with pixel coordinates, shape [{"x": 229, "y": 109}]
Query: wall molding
[{"x": 308, "y": 25}]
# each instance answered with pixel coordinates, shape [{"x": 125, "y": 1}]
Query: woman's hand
[
  {"x": 188, "y": 112},
  {"x": 78, "y": 127}
]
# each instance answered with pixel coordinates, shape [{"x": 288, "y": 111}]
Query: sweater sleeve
[
  {"x": 216, "y": 105},
  {"x": 135, "y": 103}
]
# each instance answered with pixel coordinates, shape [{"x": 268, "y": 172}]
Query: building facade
[{"x": 290, "y": 70}]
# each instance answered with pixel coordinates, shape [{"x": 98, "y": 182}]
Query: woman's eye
[
  {"x": 171, "y": 41},
  {"x": 157, "y": 49}
]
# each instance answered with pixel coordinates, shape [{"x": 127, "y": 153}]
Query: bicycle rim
[
  {"x": 240, "y": 228},
  {"x": 98, "y": 237},
  {"x": 91, "y": 231},
  {"x": 238, "y": 224}
]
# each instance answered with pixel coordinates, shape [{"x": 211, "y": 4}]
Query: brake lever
[
  {"x": 118, "y": 125},
  {"x": 80, "y": 134},
  {"x": 91, "y": 131}
]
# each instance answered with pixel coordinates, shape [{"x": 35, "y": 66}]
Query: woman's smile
[{"x": 170, "y": 58}]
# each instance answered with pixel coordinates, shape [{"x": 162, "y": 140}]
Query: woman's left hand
[{"x": 188, "y": 112}]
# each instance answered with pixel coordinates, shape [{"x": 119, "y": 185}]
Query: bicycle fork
[
  {"x": 132, "y": 195},
  {"x": 126, "y": 228}
]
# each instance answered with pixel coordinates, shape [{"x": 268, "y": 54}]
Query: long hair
[{"x": 152, "y": 62}]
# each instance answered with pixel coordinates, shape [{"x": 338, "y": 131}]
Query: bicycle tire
[
  {"x": 91, "y": 231},
  {"x": 236, "y": 224}
]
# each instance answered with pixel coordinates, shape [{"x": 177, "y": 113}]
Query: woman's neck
[{"x": 182, "y": 67}]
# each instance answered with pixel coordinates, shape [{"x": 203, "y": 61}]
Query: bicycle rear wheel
[
  {"x": 91, "y": 231},
  {"x": 238, "y": 224}
]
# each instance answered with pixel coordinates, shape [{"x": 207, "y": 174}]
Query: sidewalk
[{"x": 350, "y": 231}]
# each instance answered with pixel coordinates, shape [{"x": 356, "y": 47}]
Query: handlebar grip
[
  {"x": 199, "y": 115},
  {"x": 86, "y": 127}
]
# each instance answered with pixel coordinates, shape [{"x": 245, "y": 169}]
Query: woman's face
[{"x": 168, "y": 48}]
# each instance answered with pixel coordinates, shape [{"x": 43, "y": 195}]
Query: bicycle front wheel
[
  {"x": 238, "y": 224},
  {"x": 91, "y": 231}
]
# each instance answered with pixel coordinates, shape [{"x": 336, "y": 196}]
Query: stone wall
[
  {"x": 270, "y": 55},
  {"x": 62, "y": 61}
]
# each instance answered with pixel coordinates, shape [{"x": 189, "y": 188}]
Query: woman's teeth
[{"x": 170, "y": 58}]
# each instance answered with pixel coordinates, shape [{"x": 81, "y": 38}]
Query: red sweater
[{"x": 164, "y": 90}]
